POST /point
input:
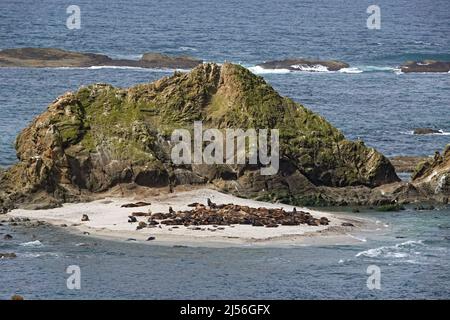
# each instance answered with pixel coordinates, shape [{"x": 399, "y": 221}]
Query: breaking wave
[
  {"x": 400, "y": 250},
  {"x": 315, "y": 68},
  {"x": 36, "y": 243},
  {"x": 261, "y": 70},
  {"x": 440, "y": 133},
  {"x": 324, "y": 69}
]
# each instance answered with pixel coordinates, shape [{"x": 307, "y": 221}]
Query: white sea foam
[
  {"x": 398, "y": 71},
  {"x": 400, "y": 250},
  {"x": 377, "y": 69},
  {"x": 441, "y": 133},
  {"x": 116, "y": 67},
  {"x": 322, "y": 69},
  {"x": 314, "y": 68},
  {"x": 185, "y": 48},
  {"x": 38, "y": 254},
  {"x": 36, "y": 243},
  {"x": 261, "y": 70},
  {"x": 351, "y": 70}
]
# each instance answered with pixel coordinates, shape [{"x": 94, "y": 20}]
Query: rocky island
[
  {"x": 304, "y": 65},
  {"x": 103, "y": 142},
  {"x": 99, "y": 137},
  {"x": 425, "y": 66},
  {"x": 53, "y": 58}
]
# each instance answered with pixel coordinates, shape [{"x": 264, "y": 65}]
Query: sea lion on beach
[{"x": 136, "y": 205}]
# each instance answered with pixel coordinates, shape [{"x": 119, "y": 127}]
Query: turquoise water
[{"x": 372, "y": 102}]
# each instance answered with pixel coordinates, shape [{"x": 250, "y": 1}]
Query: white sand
[{"x": 108, "y": 220}]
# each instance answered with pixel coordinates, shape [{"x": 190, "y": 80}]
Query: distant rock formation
[
  {"x": 304, "y": 65},
  {"x": 100, "y": 136},
  {"x": 52, "y": 58},
  {"x": 425, "y": 66},
  {"x": 426, "y": 131}
]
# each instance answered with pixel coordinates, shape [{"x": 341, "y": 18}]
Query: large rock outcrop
[
  {"x": 101, "y": 136},
  {"x": 433, "y": 176},
  {"x": 51, "y": 58}
]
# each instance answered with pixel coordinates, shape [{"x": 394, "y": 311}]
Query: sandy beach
[{"x": 109, "y": 220}]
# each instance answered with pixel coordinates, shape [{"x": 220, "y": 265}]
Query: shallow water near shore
[{"x": 412, "y": 250}]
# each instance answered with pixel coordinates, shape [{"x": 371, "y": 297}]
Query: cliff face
[
  {"x": 433, "y": 175},
  {"x": 100, "y": 136}
]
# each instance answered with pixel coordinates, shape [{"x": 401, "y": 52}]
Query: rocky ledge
[
  {"x": 52, "y": 58},
  {"x": 433, "y": 175},
  {"x": 304, "y": 65},
  {"x": 99, "y": 137},
  {"x": 425, "y": 66}
]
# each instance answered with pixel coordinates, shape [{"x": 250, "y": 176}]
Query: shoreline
[{"x": 109, "y": 221}]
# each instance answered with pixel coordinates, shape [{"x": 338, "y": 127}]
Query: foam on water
[
  {"x": 351, "y": 70},
  {"x": 315, "y": 68},
  {"x": 261, "y": 70},
  {"x": 36, "y": 243},
  {"x": 400, "y": 250},
  {"x": 441, "y": 133}
]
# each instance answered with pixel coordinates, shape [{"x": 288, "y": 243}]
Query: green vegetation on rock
[{"x": 100, "y": 136}]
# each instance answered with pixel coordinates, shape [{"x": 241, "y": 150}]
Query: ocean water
[
  {"x": 371, "y": 101},
  {"x": 411, "y": 249}
]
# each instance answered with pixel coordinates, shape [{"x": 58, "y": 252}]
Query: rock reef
[
  {"x": 425, "y": 66},
  {"x": 89, "y": 141},
  {"x": 304, "y": 64},
  {"x": 52, "y": 58},
  {"x": 426, "y": 131}
]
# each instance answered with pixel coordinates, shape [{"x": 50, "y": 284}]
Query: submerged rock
[
  {"x": 100, "y": 136},
  {"x": 305, "y": 65},
  {"x": 7, "y": 255},
  {"x": 51, "y": 57},
  {"x": 425, "y": 66}
]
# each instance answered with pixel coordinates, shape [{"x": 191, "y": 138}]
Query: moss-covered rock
[{"x": 101, "y": 136}]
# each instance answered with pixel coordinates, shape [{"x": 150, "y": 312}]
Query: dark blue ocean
[{"x": 371, "y": 101}]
